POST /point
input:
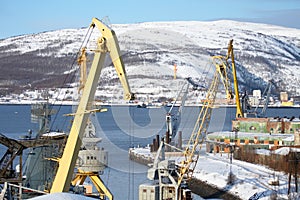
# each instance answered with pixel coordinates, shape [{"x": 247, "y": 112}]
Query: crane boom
[
  {"x": 223, "y": 67},
  {"x": 198, "y": 134},
  {"x": 266, "y": 92},
  {"x": 108, "y": 43},
  {"x": 186, "y": 167},
  {"x": 173, "y": 121},
  {"x": 112, "y": 45}
]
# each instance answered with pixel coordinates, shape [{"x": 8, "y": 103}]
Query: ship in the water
[
  {"x": 40, "y": 151},
  {"x": 34, "y": 149},
  {"x": 43, "y": 151}
]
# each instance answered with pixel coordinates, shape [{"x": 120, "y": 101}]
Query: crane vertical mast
[
  {"x": 199, "y": 132},
  {"x": 108, "y": 43},
  {"x": 239, "y": 112}
]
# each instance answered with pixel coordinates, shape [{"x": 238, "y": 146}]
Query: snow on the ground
[{"x": 249, "y": 179}]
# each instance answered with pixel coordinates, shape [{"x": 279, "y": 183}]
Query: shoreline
[
  {"x": 72, "y": 103},
  {"x": 207, "y": 191}
]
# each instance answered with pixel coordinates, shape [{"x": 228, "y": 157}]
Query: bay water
[{"x": 121, "y": 128}]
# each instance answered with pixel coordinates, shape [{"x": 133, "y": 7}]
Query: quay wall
[{"x": 140, "y": 158}]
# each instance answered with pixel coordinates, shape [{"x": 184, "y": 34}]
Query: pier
[{"x": 199, "y": 187}]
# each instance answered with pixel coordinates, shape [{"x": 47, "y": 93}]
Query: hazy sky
[{"x": 19, "y": 17}]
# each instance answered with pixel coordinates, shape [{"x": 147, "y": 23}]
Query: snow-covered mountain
[{"x": 150, "y": 50}]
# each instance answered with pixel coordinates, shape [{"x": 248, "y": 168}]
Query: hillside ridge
[{"x": 150, "y": 50}]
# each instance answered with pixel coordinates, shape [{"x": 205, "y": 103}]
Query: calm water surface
[{"x": 123, "y": 127}]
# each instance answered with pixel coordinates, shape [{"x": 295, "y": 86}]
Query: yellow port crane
[
  {"x": 186, "y": 167},
  {"x": 107, "y": 43},
  {"x": 172, "y": 179}
]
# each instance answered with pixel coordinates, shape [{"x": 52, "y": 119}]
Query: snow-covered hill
[{"x": 150, "y": 50}]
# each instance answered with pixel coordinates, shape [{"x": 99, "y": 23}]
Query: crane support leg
[
  {"x": 100, "y": 186},
  {"x": 98, "y": 183}
]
